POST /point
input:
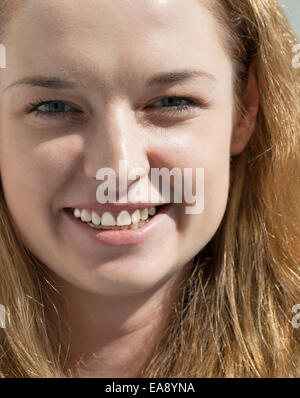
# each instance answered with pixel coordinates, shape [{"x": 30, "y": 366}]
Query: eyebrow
[
  {"x": 58, "y": 83},
  {"x": 178, "y": 76},
  {"x": 44, "y": 81}
]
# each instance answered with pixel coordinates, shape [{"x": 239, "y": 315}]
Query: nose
[{"x": 115, "y": 142}]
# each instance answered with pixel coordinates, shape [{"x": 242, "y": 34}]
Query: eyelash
[
  {"x": 32, "y": 108},
  {"x": 164, "y": 110}
]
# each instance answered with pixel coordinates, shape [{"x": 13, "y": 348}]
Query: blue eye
[
  {"x": 173, "y": 102},
  {"x": 55, "y": 106},
  {"x": 174, "y": 106},
  {"x": 52, "y": 109}
]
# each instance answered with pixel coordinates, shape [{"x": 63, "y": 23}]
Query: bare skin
[{"x": 117, "y": 299}]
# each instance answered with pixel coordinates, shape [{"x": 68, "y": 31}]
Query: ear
[{"x": 245, "y": 124}]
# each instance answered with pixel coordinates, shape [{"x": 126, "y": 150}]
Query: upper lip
[{"x": 114, "y": 206}]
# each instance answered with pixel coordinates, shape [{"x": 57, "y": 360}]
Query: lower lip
[{"x": 123, "y": 237}]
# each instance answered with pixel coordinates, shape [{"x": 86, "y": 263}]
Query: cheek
[
  {"x": 38, "y": 166},
  {"x": 196, "y": 230},
  {"x": 208, "y": 149},
  {"x": 34, "y": 172}
]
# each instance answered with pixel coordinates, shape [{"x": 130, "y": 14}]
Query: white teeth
[
  {"x": 86, "y": 216},
  {"x": 77, "y": 213},
  {"x": 144, "y": 214},
  {"x": 152, "y": 211},
  {"x": 124, "y": 218},
  {"x": 135, "y": 216},
  {"x": 96, "y": 219},
  {"x": 108, "y": 219}
]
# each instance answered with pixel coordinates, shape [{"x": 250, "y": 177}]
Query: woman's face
[{"x": 110, "y": 50}]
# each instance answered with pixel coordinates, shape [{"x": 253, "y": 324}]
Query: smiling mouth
[{"x": 124, "y": 220}]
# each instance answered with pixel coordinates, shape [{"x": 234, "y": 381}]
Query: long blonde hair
[{"x": 233, "y": 315}]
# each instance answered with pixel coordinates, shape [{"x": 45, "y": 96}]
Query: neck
[{"x": 115, "y": 336}]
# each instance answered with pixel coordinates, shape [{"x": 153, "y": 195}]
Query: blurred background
[{"x": 292, "y": 10}]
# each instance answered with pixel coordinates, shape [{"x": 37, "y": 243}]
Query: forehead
[
  {"x": 105, "y": 34},
  {"x": 60, "y": 16}
]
